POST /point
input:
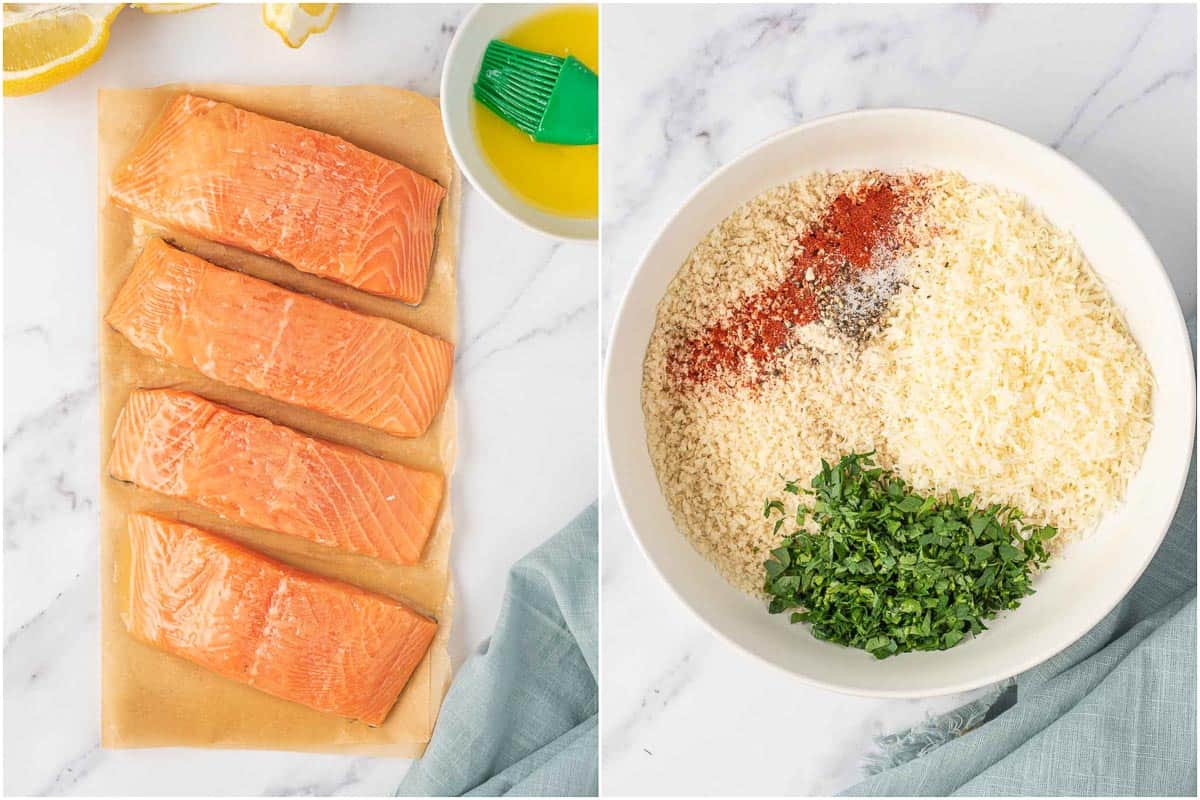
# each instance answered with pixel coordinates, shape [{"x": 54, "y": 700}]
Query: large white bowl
[
  {"x": 485, "y": 23},
  {"x": 1093, "y": 574}
]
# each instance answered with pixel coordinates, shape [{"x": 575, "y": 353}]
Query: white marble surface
[
  {"x": 687, "y": 89},
  {"x": 526, "y": 381}
]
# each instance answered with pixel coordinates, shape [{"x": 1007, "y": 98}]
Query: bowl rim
[
  {"x": 986, "y": 677},
  {"x": 451, "y": 54}
]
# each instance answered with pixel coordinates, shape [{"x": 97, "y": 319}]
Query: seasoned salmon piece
[
  {"x": 250, "y": 470},
  {"x": 250, "y": 333},
  {"x": 320, "y": 642},
  {"x": 310, "y": 199}
]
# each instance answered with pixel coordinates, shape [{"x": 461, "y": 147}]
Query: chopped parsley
[{"x": 890, "y": 570}]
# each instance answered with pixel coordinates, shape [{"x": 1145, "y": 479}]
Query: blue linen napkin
[
  {"x": 1113, "y": 714},
  {"x": 521, "y": 717}
]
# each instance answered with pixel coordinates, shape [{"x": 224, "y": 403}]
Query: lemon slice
[
  {"x": 169, "y": 8},
  {"x": 295, "y": 22},
  {"x": 47, "y": 44}
]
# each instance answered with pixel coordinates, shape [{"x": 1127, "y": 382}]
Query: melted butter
[{"x": 559, "y": 179}]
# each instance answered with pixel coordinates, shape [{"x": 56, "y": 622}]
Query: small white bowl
[
  {"x": 485, "y": 23},
  {"x": 1091, "y": 575}
]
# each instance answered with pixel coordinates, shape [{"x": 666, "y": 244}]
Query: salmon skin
[
  {"x": 250, "y": 470},
  {"x": 310, "y": 199},
  {"x": 316, "y": 641},
  {"x": 252, "y": 334}
]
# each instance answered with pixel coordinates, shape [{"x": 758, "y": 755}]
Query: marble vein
[
  {"x": 59, "y": 412},
  {"x": 560, "y": 322},
  {"x": 1119, "y": 66},
  {"x": 540, "y": 266},
  {"x": 656, "y": 699},
  {"x": 1186, "y": 75}
]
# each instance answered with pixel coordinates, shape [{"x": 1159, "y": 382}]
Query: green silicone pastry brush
[{"x": 555, "y": 100}]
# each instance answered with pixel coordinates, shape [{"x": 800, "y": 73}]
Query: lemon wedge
[
  {"x": 47, "y": 44},
  {"x": 295, "y": 22},
  {"x": 169, "y": 8}
]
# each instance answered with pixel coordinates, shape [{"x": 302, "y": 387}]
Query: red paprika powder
[{"x": 847, "y": 240}]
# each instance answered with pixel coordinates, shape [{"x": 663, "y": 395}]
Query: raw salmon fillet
[
  {"x": 250, "y": 333},
  {"x": 307, "y": 198},
  {"x": 250, "y": 470},
  {"x": 320, "y": 642}
]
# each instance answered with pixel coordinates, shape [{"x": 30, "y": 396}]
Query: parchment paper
[{"x": 151, "y": 698}]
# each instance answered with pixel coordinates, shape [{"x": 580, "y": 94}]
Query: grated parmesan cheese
[{"x": 1006, "y": 370}]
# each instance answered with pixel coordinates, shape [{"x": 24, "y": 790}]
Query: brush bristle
[{"x": 517, "y": 83}]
